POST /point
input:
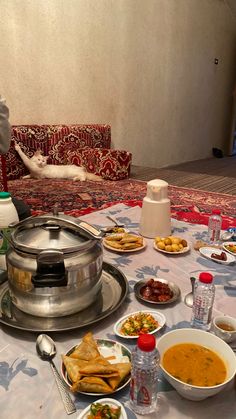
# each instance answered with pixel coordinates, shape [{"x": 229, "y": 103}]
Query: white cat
[{"x": 39, "y": 169}]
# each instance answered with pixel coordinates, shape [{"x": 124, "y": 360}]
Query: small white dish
[
  {"x": 159, "y": 317},
  {"x": 225, "y": 247},
  {"x": 227, "y": 335},
  {"x": 207, "y": 252},
  {"x": 111, "y": 402},
  {"x": 184, "y": 250}
]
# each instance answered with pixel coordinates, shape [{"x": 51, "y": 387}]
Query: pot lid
[{"x": 63, "y": 233}]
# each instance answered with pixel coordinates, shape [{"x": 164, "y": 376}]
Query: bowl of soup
[
  {"x": 225, "y": 328},
  {"x": 196, "y": 363}
]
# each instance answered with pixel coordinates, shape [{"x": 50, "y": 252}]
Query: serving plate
[
  {"x": 227, "y": 250},
  {"x": 137, "y": 249},
  {"x": 159, "y": 317},
  {"x": 113, "y": 293},
  {"x": 108, "y": 348},
  {"x": 174, "y": 288},
  {"x": 184, "y": 250},
  {"x": 111, "y": 402},
  {"x": 207, "y": 252}
]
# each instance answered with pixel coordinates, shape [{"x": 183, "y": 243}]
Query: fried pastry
[
  {"x": 87, "y": 349},
  {"x": 73, "y": 366},
  {"x": 124, "y": 370},
  {"x": 92, "y": 385},
  {"x": 99, "y": 370}
]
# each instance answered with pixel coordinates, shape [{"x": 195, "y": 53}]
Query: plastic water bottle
[
  {"x": 8, "y": 214},
  {"x": 144, "y": 375},
  {"x": 214, "y": 226},
  {"x": 203, "y": 299}
]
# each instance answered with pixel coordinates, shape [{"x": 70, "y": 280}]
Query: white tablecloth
[{"x": 27, "y": 387}]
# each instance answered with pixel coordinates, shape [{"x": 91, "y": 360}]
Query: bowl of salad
[
  {"x": 104, "y": 409},
  {"x": 132, "y": 325}
]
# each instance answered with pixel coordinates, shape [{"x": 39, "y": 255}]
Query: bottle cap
[
  {"x": 205, "y": 277},
  {"x": 146, "y": 342},
  {"x": 4, "y": 195},
  {"x": 216, "y": 211}
]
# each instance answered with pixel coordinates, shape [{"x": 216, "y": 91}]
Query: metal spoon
[
  {"x": 189, "y": 297},
  {"x": 46, "y": 350},
  {"x": 114, "y": 221}
]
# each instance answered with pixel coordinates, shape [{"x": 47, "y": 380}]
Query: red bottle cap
[
  {"x": 146, "y": 342},
  {"x": 216, "y": 211},
  {"x": 205, "y": 277}
]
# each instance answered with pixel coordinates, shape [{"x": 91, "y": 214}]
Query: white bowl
[
  {"x": 208, "y": 340},
  {"x": 227, "y": 336},
  {"x": 107, "y": 400},
  {"x": 159, "y": 317}
]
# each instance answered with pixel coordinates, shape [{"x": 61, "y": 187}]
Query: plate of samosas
[
  {"x": 124, "y": 242},
  {"x": 96, "y": 366}
]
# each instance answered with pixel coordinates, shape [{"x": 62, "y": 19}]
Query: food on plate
[
  {"x": 104, "y": 411},
  {"x": 91, "y": 385},
  {"x": 170, "y": 243},
  {"x": 231, "y": 247},
  {"x": 138, "y": 324},
  {"x": 124, "y": 370},
  {"x": 155, "y": 290},
  {"x": 110, "y": 230},
  {"x": 124, "y": 241},
  {"x": 221, "y": 256},
  {"x": 194, "y": 364},
  {"x": 91, "y": 372}
]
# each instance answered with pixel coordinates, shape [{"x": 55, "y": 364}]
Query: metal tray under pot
[{"x": 54, "y": 265}]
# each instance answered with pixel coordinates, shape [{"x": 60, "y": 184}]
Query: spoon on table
[
  {"x": 46, "y": 350},
  {"x": 189, "y": 297},
  {"x": 114, "y": 221}
]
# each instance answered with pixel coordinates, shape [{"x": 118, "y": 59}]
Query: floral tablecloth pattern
[{"x": 27, "y": 387}]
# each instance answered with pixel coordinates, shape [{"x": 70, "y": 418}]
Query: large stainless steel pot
[{"x": 54, "y": 265}]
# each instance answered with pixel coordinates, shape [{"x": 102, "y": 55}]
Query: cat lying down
[{"x": 39, "y": 169}]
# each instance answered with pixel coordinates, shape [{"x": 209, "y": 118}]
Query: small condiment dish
[{"x": 225, "y": 328}]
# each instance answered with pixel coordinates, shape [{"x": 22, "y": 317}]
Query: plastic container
[
  {"x": 155, "y": 215},
  {"x": 144, "y": 375},
  {"x": 214, "y": 226},
  {"x": 203, "y": 299},
  {"x": 8, "y": 214}
]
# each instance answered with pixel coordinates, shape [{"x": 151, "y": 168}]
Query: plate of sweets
[
  {"x": 217, "y": 255},
  {"x": 132, "y": 325},
  {"x": 105, "y": 408},
  {"x": 96, "y": 366},
  {"x": 171, "y": 245},
  {"x": 124, "y": 242},
  {"x": 157, "y": 291}
]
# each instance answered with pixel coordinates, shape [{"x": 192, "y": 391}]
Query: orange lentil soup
[{"x": 194, "y": 364}]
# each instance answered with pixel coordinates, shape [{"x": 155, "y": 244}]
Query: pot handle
[{"x": 50, "y": 269}]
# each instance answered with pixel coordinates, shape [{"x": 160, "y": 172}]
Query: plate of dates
[
  {"x": 217, "y": 255},
  {"x": 157, "y": 291}
]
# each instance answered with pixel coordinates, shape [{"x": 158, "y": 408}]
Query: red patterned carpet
[{"x": 78, "y": 198}]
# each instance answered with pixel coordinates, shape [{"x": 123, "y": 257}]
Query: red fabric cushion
[{"x": 110, "y": 164}]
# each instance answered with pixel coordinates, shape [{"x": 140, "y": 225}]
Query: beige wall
[{"x": 144, "y": 66}]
